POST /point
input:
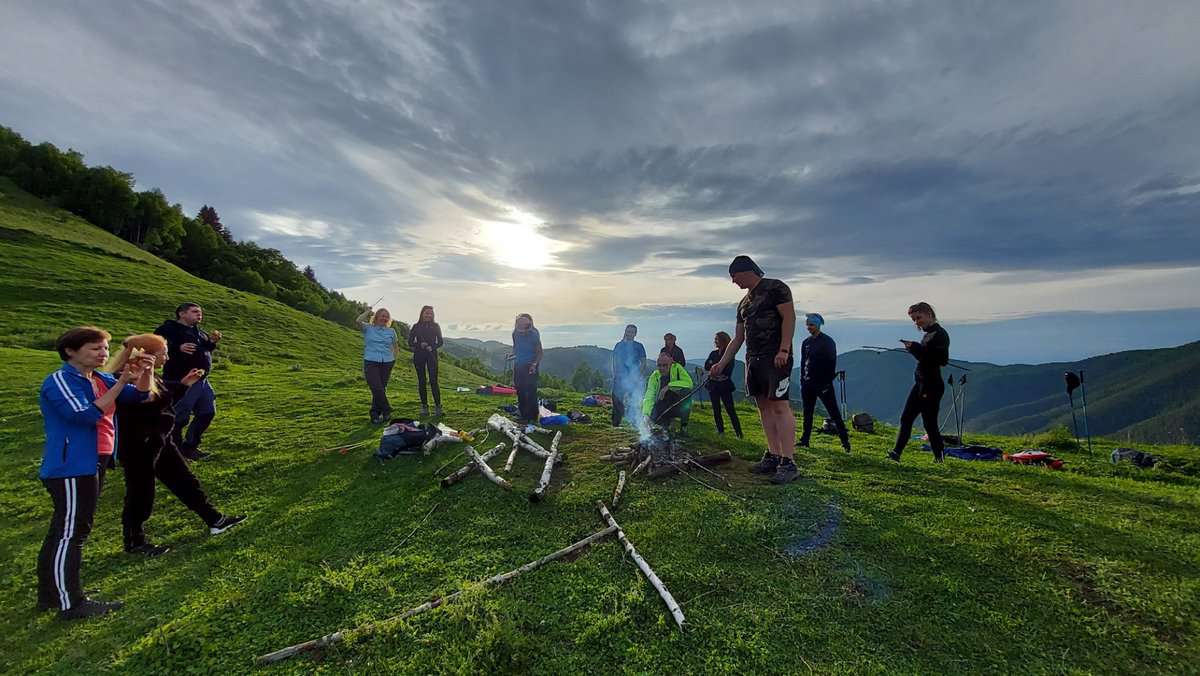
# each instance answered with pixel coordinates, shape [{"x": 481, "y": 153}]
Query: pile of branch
[{"x": 521, "y": 442}]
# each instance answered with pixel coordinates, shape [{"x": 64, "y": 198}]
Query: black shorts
[{"x": 763, "y": 379}]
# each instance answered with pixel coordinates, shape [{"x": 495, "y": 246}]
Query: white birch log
[
  {"x": 464, "y": 471},
  {"x": 508, "y": 465},
  {"x": 368, "y": 629},
  {"x": 620, "y": 487},
  {"x": 676, "y": 611},
  {"x": 643, "y": 465},
  {"x": 544, "y": 482},
  {"x": 511, "y": 430},
  {"x": 487, "y": 471}
]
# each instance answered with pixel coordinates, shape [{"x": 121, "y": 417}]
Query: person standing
[
  {"x": 424, "y": 339},
  {"x": 628, "y": 376},
  {"x": 527, "y": 354},
  {"x": 380, "y": 348},
  {"x": 721, "y": 388},
  {"x": 148, "y": 450},
  {"x": 78, "y": 404},
  {"x": 925, "y": 397},
  {"x": 671, "y": 348},
  {"x": 766, "y": 320},
  {"x": 818, "y": 369},
  {"x": 190, "y": 348}
]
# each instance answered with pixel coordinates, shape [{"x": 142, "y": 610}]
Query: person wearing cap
[
  {"x": 818, "y": 368},
  {"x": 766, "y": 322}
]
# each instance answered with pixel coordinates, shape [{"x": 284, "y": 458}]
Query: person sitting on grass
[
  {"x": 148, "y": 450},
  {"x": 667, "y": 391},
  {"x": 78, "y": 404}
]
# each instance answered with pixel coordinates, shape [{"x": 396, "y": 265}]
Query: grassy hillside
[
  {"x": 1137, "y": 395},
  {"x": 916, "y": 568}
]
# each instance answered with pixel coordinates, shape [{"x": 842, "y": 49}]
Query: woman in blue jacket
[
  {"x": 379, "y": 356},
  {"x": 78, "y": 405}
]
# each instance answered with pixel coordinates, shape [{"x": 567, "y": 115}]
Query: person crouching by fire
[{"x": 667, "y": 391}]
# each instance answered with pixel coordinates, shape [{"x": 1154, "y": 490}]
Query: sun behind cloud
[{"x": 517, "y": 243}]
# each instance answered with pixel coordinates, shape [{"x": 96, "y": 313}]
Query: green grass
[{"x": 961, "y": 567}]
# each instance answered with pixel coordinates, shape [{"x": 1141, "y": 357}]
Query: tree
[
  {"x": 208, "y": 216},
  {"x": 105, "y": 197},
  {"x": 586, "y": 378},
  {"x": 310, "y": 273},
  {"x": 156, "y": 225}
]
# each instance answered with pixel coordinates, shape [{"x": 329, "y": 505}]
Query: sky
[{"x": 1032, "y": 169}]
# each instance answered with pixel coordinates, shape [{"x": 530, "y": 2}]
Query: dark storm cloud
[{"x": 853, "y": 141}]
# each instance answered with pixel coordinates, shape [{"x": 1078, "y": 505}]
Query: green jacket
[{"x": 680, "y": 380}]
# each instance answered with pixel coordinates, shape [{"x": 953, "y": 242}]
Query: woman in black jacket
[
  {"x": 424, "y": 339},
  {"x": 148, "y": 451},
  {"x": 925, "y": 397},
  {"x": 721, "y": 388}
]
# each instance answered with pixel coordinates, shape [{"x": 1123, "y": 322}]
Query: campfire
[{"x": 660, "y": 455}]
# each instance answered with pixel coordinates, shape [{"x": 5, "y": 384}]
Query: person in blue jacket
[
  {"x": 78, "y": 405},
  {"x": 380, "y": 348}
]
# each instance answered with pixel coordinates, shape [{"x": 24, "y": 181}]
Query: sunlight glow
[{"x": 518, "y": 244}]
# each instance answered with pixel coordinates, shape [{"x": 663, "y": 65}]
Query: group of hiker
[
  {"x": 99, "y": 413},
  {"x": 765, "y": 323}
]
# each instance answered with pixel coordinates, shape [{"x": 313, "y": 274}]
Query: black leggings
[
  {"x": 426, "y": 364},
  {"x": 828, "y": 399},
  {"x": 377, "y": 374},
  {"x": 924, "y": 400},
  {"x": 726, "y": 398},
  {"x": 142, "y": 466}
]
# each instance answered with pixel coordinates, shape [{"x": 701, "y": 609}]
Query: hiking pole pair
[
  {"x": 841, "y": 375},
  {"x": 1075, "y": 380}
]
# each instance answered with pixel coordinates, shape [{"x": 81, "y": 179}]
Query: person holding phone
[{"x": 925, "y": 397}]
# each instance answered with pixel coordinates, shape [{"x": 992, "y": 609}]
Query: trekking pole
[
  {"x": 877, "y": 349},
  {"x": 962, "y": 409},
  {"x": 1083, "y": 395},
  {"x": 953, "y": 404},
  {"x": 1073, "y": 381},
  {"x": 681, "y": 400},
  {"x": 845, "y": 406}
]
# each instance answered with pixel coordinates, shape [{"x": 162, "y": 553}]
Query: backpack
[
  {"x": 403, "y": 436},
  {"x": 1140, "y": 459},
  {"x": 863, "y": 422}
]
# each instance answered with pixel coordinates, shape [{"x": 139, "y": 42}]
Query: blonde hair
[
  {"x": 144, "y": 342},
  {"x": 375, "y": 316}
]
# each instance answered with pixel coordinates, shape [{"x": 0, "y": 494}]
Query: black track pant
[
  {"x": 426, "y": 364},
  {"x": 924, "y": 400},
  {"x": 58, "y": 563},
  {"x": 141, "y": 470},
  {"x": 623, "y": 396},
  {"x": 829, "y": 400},
  {"x": 725, "y": 398},
  {"x": 377, "y": 374},
  {"x": 526, "y": 384}
]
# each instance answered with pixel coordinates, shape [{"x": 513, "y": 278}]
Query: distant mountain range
[{"x": 1140, "y": 395}]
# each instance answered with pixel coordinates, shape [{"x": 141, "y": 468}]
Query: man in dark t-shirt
[{"x": 766, "y": 322}]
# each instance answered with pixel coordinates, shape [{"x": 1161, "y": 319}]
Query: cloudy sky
[{"x": 1030, "y": 168}]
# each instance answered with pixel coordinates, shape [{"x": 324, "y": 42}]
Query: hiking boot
[
  {"x": 939, "y": 457},
  {"x": 147, "y": 549},
  {"x": 785, "y": 472},
  {"x": 424, "y": 411},
  {"x": 767, "y": 465},
  {"x": 89, "y": 608},
  {"x": 846, "y": 444},
  {"x": 192, "y": 453},
  {"x": 893, "y": 456},
  {"x": 225, "y": 523},
  {"x": 803, "y": 443},
  {"x": 437, "y": 410}
]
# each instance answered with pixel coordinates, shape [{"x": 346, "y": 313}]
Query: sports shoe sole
[{"x": 217, "y": 531}]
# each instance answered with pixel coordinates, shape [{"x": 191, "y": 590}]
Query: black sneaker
[
  {"x": 803, "y": 443},
  {"x": 785, "y": 472},
  {"x": 893, "y": 456},
  {"x": 767, "y": 465},
  {"x": 846, "y": 444},
  {"x": 192, "y": 453},
  {"x": 147, "y": 549},
  {"x": 225, "y": 523},
  {"x": 424, "y": 411},
  {"x": 939, "y": 457},
  {"x": 86, "y": 608},
  {"x": 437, "y": 411}
]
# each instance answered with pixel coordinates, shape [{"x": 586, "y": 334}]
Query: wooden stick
[
  {"x": 544, "y": 482},
  {"x": 487, "y": 471},
  {"x": 620, "y": 487},
  {"x": 464, "y": 471},
  {"x": 511, "y": 458},
  {"x": 676, "y": 612},
  {"x": 644, "y": 464},
  {"x": 368, "y": 629},
  {"x": 509, "y": 429}
]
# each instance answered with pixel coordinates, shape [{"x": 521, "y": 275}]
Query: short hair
[
  {"x": 78, "y": 337},
  {"x": 662, "y": 356},
  {"x": 922, "y": 307},
  {"x": 669, "y": 335},
  {"x": 631, "y": 326},
  {"x": 184, "y": 306}
]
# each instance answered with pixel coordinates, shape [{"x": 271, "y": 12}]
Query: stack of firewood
[
  {"x": 520, "y": 441},
  {"x": 659, "y": 456}
]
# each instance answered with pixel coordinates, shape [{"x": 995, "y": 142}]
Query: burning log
[
  {"x": 620, "y": 487},
  {"x": 487, "y": 471},
  {"x": 676, "y": 611},
  {"x": 643, "y": 465},
  {"x": 544, "y": 482},
  {"x": 367, "y": 630},
  {"x": 462, "y": 472}
]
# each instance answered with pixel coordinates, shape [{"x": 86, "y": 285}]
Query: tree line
[{"x": 201, "y": 245}]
